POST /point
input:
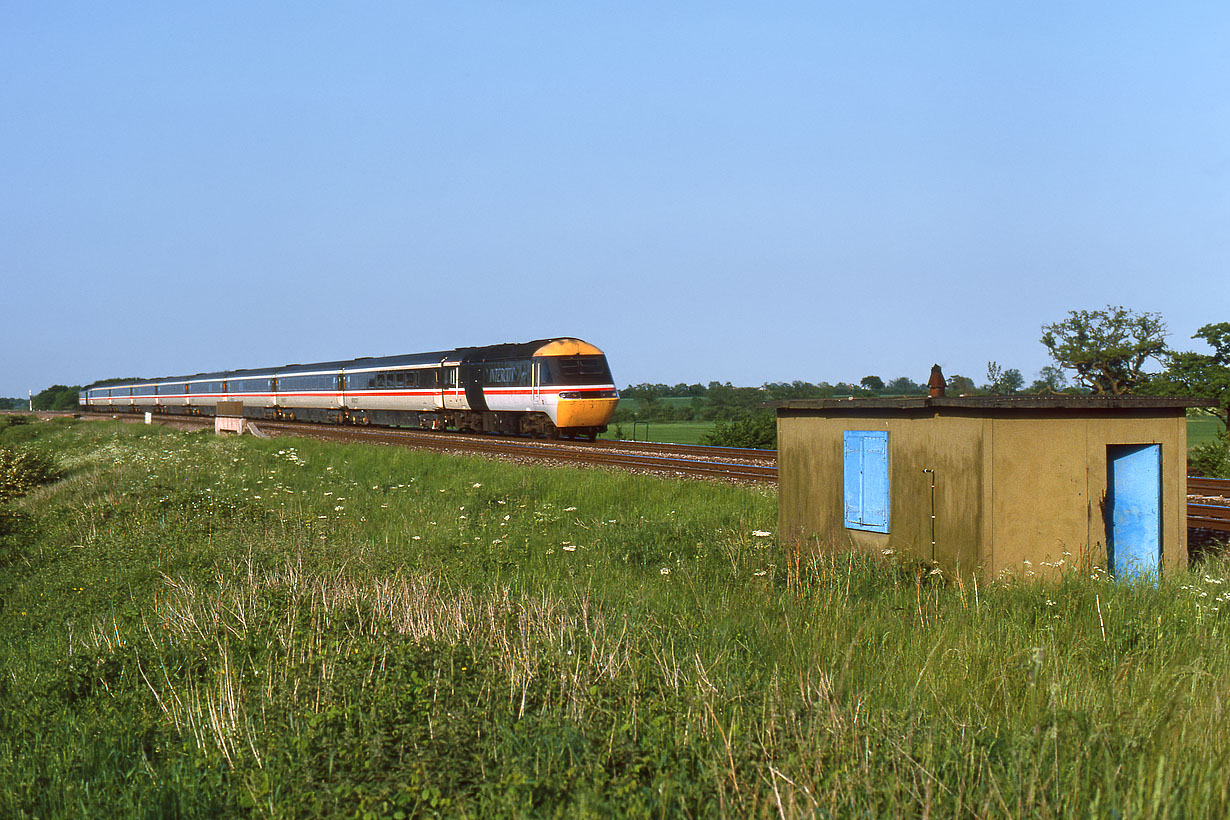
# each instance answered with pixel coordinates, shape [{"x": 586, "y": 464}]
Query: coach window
[{"x": 399, "y": 379}]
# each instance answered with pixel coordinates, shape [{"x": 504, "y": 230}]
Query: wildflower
[
  {"x": 570, "y": 509},
  {"x": 761, "y": 533},
  {"x": 476, "y": 486},
  {"x": 570, "y": 548},
  {"x": 338, "y": 508},
  {"x": 551, "y": 551},
  {"x": 665, "y": 571},
  {"x": 507, "y": 517},
  {"x": 1049, "y": 602},
  {"x": 887, "y": 552},
  {"x": 416, "y": 538},
  {"x": 759, "y": 573}
]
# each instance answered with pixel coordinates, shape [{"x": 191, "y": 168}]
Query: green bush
[
  {"x": 23, "y": 469},
  {"x": 1212, "y": 458},
  {"x": 758, "y": 431}
]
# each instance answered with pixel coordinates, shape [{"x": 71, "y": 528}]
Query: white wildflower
[
  {"x": 665, "y": 571},
  {"x": 761, "y": 533}
]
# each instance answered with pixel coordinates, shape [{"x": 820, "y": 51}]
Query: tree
[
  {"x": 959, "y": 385},
  {"x": 1199, "y": 374},
  {"x": 1050, "y": 380},
  {"x": 1002, "y": 382},
  {"x": 905, "y": 386},
  {"x": 1109, "y": 348},
  {"x": 57, "y": 397},
  {"x": 872, "y": 383}
]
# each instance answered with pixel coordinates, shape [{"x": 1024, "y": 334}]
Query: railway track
[
  {"x": 1208, "y": 505},
  {"x": 662, "y": 459}
]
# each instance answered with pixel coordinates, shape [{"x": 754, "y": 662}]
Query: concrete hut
[{"x": 989, "y": 485}]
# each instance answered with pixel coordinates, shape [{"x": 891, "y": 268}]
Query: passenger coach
[{"x": 549, "y": 387}]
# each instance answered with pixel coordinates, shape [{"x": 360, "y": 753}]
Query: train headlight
[{"x": 589, "y": 394}]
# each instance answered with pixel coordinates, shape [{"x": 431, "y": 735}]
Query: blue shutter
[
  {"x": 866, "y": 480},
  {"x": 875, "y": 481},
  {"x": 854, "y": 478}
]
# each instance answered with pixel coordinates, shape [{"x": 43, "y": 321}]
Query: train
[{"x": 556, "y": 388}]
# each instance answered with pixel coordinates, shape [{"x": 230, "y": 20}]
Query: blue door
[{"x": 1134, "y": 501}]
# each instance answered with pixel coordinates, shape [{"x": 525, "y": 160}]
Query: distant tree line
[
  {"x": 1111, "y": 351},
  {"x": 56, "y": 397}
]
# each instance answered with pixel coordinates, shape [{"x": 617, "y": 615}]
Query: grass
[
  {"x": 205, "y": 627},
  {"x": 1202, "y": 430}
]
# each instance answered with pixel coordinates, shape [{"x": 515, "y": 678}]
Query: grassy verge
[{"x": 210, "y": 627}]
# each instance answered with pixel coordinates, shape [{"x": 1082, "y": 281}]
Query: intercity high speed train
[{"x": 550, "y": 387}]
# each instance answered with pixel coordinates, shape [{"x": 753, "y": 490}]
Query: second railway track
[{"x": 664, "y": 459}]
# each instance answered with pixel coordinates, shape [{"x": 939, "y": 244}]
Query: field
[
  {"x": 206, "y": 627},
  {"x": 1202, "y": 429}
]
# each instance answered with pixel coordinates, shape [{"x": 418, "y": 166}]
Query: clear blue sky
[{"x": 739, "y": 191}]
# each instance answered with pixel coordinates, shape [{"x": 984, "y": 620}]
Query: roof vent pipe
[{"x": 936, "y": 385}]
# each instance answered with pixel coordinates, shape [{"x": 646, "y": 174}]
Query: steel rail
[
  {"x": 658, "y": 457},
  {"x": 579, "y": 453}
]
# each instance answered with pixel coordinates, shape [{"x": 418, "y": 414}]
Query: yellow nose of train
[
  {"x": 587, "y": 412},
  {"x": 584, "y": 404}
]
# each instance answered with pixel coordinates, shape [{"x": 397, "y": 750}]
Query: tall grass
[{"x": 223, "y": 627}]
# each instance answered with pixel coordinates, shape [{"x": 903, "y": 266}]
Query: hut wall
[
  {"x": 1048, "y": 483},
  {"x": 1009, "y": 489},
  {"x": 811, "y": 488}
]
